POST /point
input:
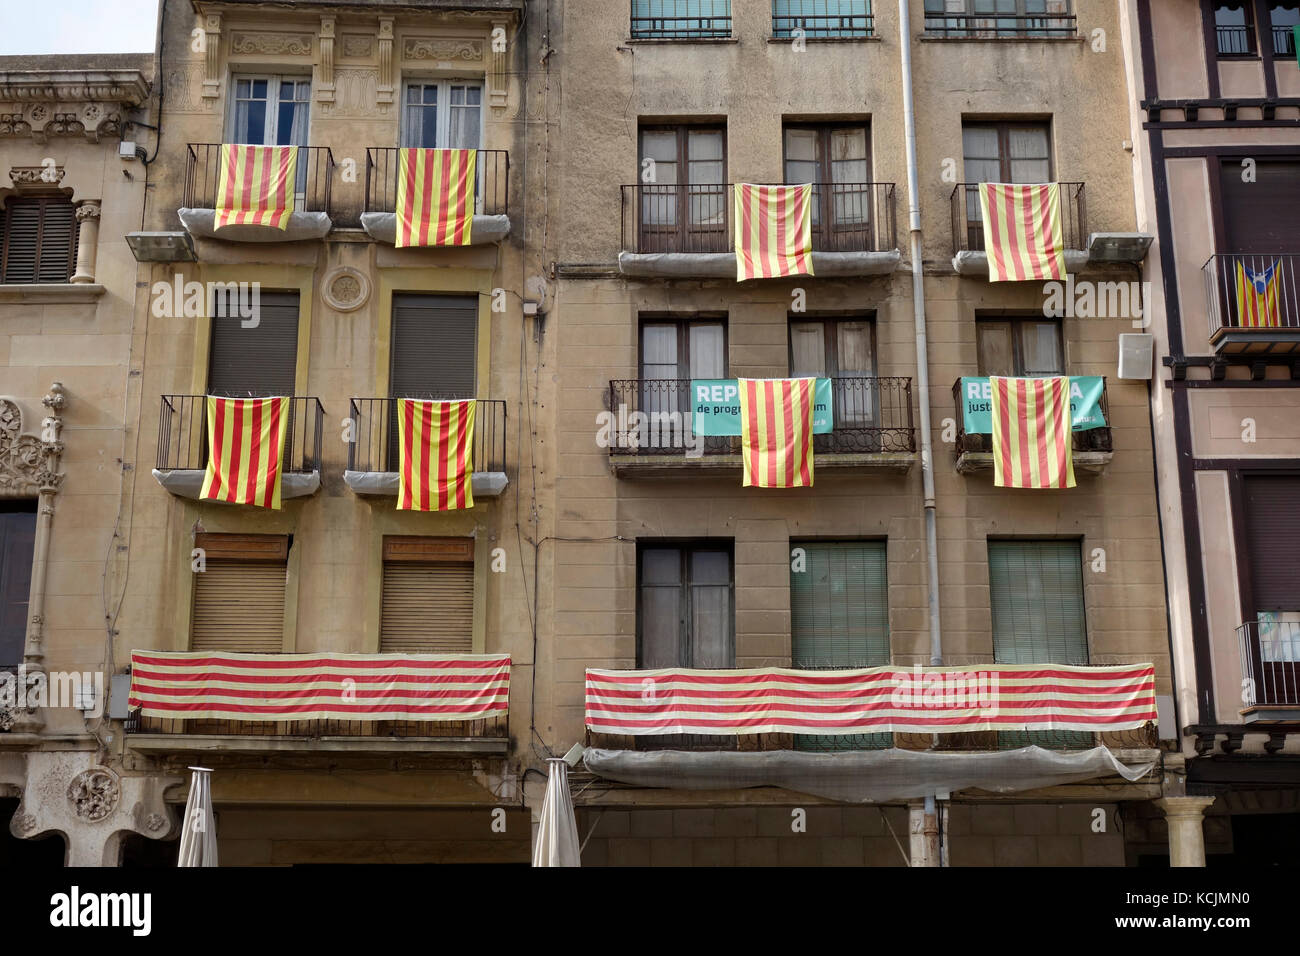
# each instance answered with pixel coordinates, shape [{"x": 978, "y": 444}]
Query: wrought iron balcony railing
[
  {"x": 1270, "y": 663},
  {"x": 968, "y": 221},
  {"x": 822, "y": 21},
  {"x": 1089, "y": 440},
  {"x": 697, "y": 218},
  {"x": 137, "y": 723},
  {"x": 982, "y": 26},
  {"x": 681, "y": 19},
  {"x": 375, "y": 448},
  {"x": 203, "y": 174},
  {"x": 871, "y": 415},
  {"x": 183, "y": 434},
  {"x": 1270, "y": 302},
  {"x": 1234, "y": 40},
  {"x": 1283, "y": 42},
  {"x": 491, "y": 194}
]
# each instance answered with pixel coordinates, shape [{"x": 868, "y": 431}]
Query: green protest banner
[
  {"x": 715, "y": 407},
  {"x": 1085, "y": 404}
]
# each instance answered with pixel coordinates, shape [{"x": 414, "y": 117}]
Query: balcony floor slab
[
  {"x": 188, "y": 482},
  {"x": 678, "y": 466},
  {"x": 282, "y": 744},
  {"x": 722, "y": 265},
  {"x": 384, "y": 484},
  {"x": 200, "y": 223},
  {"x": 1088, "y": 462},
  {"x": 484, "y": 230},
  {"x": 975, "y": 264}
]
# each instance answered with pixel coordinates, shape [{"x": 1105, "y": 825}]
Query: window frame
[
  {"x": 829, "y": 325},
  {"x": 1004, "y": 128},
  {"x": 685, "y": 548},
  {"x": 675, "y": 236},
  {"x": 41, "y": 200},
  {"x": 25, "y": 506},
  {"x": 823, "y": 32},
  {"x": 274, "y": 81},
  {"x": 665, "y": 34},
  {"x": 1251, "y": 29},
  {"x": 827, "y": 224},
  {"x": 1016, "y": 323},
  {"x": 1021, "y": 31},
  {"x": 683, "y": 324},
  {"x": 444, "y": 85},
  {"x": 1288, "y": 50}
]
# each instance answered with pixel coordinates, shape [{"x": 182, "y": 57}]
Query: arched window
[{"x": 39, "y": 240}]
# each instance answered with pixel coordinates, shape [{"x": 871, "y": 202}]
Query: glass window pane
[
  {"x": 708, "y": 357},
  {"x": 854, "y": 341},
  {"x": 710, "y": 567},
  {"x": 808, "y": 349},
  {"x": 995, "y": 353},
  {"x": 1041, "y": 348},
  {"x": 659, "y": 346},
  {"x": 711, "y": 642},
  {"x": 661, "y": 566}
]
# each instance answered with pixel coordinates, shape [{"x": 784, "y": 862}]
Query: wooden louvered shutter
[
  {"x": 239, "y": 599},
  {"x": 260, "y": 361},
  {"x": 17, "y": 542},
  {"x": 1272, "y": 529},
  {"x": 427, "y": 606},
  {"x": 40, "y": 237},
  {"x": 1252, "y": 217},
  {"x": 434, "y": 344}
]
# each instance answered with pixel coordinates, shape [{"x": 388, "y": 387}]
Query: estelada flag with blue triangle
[{"x": 1257, "y": 297}]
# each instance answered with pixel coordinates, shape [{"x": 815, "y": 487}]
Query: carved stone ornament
[
  {"x": 22, "y": 457},
  {"x": 36, "y": 175},
  {"x": 155, "y": 822},
  {"x": 24, "y": 823},
  {"x": 346, "y": 289},
  {"x": 8, "y": 715},
  {"x": 86, "y": 103},
  {"x": 95, "y": 793},
  {"x": 358, "y": 45},
  {"x": 443, "y": 48},
  {"x": 273, "y": 44}
]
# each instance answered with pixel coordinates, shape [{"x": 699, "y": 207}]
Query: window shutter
[
  {"x": 1272, "y": 526},
  {"x": 39, "y": 240},
  {"x": 427, "y": 606},
  {"x": 839, "y": 606},
  {"x": 239, "y": 606},
  {"x": 1251, "y": 218},
  {"x": 259, "y": 361},
  {"x": 434, "y": 346},
  {"x": 17, "y": 543}
]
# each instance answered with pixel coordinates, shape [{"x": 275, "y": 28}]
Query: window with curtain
[
  {"x": 1011, "y": 152},
  {"x": 822, "y": 19},
  {"x": 682, "y": 175},
  {"x": 836, "y": 159},
  {"x": 39, "y": 241},
  {"x": 1234, "y": 28},
  {"x": 674, "y": 351},
  {"x": 1283, "y": 18},
  {"x": 270, "y": 111},
  {"x": 17, "y": 544},
  {"x": 1036, "y": 596},
  {"x": 841, "y": 349},
  {"x": 1021, "y": 347},
  {"x": 685, "y": 606},
  {"x": 446, "y": 114},
  {"x": 680, "y": 19},
  {"x": 998, "y": 18}
]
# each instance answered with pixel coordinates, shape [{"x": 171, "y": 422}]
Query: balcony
[
  {"x": 984, "y": 26},
  {"x": 1248, "y": 324},
  {"x": 373, "y": 454},
  {"x": 1270, "y": 666},
  {"x": 183, "y": 446},
  {"x": 1093, "y": 447},
  {"x": 651, "y": 434},
  {"x": 687, "y": 231},
  {"x": 311, "y": 218},
  {"x": 491, "y": 196}
]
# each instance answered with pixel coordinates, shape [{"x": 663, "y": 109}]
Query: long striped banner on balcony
[
  {"x": 255, "y": 185},
  {"x": 435, "y": 196},
  {"x": 436, "y": 452},
  {"x": 219, "y": 685},
  {"x": 1022, "y": 231},
  {"x": 878, "y": 699},
  {"x": 773, "y": 231},
  {"x": 245, "y": 450}
]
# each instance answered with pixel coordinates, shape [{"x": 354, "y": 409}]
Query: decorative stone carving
[
  {"x": 22, "y": 457},
  {"x": 36, "y": 175},
  {"x": 358, "y": 45},
  {"x": 212, "y": 56},
  {"x": 95, "y": 793},
  {"x": 272, "y": 44},
  {"x": 385, "y": 60},
  {"x": 356, "y": 94},
  {"x": 155, "y": 822},
  {"x": 87, "y": 210},
  {"x": 325, "y": 70},
  {"x": 497, "y": 79},
  {"x": 447, "y": 49},
  {"x": 68, "y": 102},
  {"x": 346, "y": 289},
  {"x": 8, "y": 715},
  {"x": 23, "y": 823}
]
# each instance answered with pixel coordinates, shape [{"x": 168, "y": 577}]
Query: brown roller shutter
[
  {"x": 258, "y": 361},
  {"x": 428, "y": 596},
  {"x": 239, "y": 599},
  {"x": 40, "y": 240},
  {"x": 1259, "y": 217},
  {"x": 1272, "y": 529},
  {"x": 434, "y": 346},
  {"x": 17, "y": 541}
]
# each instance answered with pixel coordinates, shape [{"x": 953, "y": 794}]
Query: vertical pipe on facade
[{"x": 918, "y": 310}]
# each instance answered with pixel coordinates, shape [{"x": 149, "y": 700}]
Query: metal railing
[
  {"x": 849, "y": 19},
  {"x": 1092, "y": 439},
  {"x": 968, "y": 221},
  {"x": 1238, "y": 40},
  {"x": 681, "y": 19},
  {"x": 203, "y": 173},
  {"x": 137, "y": 723},
  {"x": 983, "y": 26},
  {"x": 871, "y": 415},
  {"x": 1270, "y": 663},
  {"x": 1283, "y": 41},
  {"x": 491, "y": 191},
  {"x": 375, "y": 448},
  {"x": 1270, "y": 301},
  {"x": 183, "y": 434},
  {"x": 697, "y": 218}
]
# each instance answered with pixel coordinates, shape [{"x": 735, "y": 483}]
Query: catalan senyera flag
[
  {"x": 245, "y": 450},
  {"x": 1022, "y": 231},
  {"x": 255, "y": 185},
  {"x": 1257, "y": 297},
  {"x": 435, "y": 196},
  {"x": 437, "y": 449},
  {"x": 773, "y": 231},
  {"x": 1032, "y": 442},
  {"x": 776, "y": 431}
]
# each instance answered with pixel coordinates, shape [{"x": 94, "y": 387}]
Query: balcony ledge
[
  {"x": 51, "y": 293},
  {"x": 722, "y": 265},
  {"x": 975, "y": 264},
  {"x": 485, "y": 484},
  {"x": 282, "y": 744},
  {"x": 1088, "y": 462},
  {"x": 188, "y": 482},
  {"x": 678, "y": 466},
  {"x": 302, "y": 225},
  {"x": 484, "y": 230},
  {"x": 1255, "y": 343},
  {"x": 1271, "y": 714},
  {"x": 1119, "y": 246}
]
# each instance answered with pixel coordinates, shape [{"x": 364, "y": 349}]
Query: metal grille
[
  {"x": 968, "y": 221},
  {"x": 183, "y": 434}
]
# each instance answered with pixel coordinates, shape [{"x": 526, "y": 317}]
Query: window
[
  {"x": 836, "y": 158},
  {"x": 683, "y": 189},
  {"x": 1007, "y": 152},
  {"x": 1253, "y": 221},
  {"x": 1272, "y": 513},
  {"x": 270, "y": 111},
  {"x": 1234, "y": 29},
  {"x": 427, "y": 606},
  {"x": 686, "y": 609},
  {"x": 239, "y": 598},
  {"x": 445, "y": 114},
  {"x": 842, "y": 350},
  {"x": 434, "y": 349},
  {"x": 821, "y": 19},
  {"x": 1284, "y": 18},
  {"x": 1036, "y": 594},
  {"x": 681, "y": 19},
  {"x": 17, "y": 543},
  {"x": 998, "y": 18},
  {"x": 40, "y": 240},
  {"x": 839, "y": 618},
  {"x": 254, "y": 362},
  {"x": 1028, "y": 347},
  {"x": 683, "y": 348}
]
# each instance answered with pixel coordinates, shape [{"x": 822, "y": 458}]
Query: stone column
[
  {"x": 923, "y": 832},
  {"x": 1186, "y": 835},
  {"x": 87, "y": 240}
]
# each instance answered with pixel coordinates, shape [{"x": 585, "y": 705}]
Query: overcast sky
[{"x": 77, "y": 26}]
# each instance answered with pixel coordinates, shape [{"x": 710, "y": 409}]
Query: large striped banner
[
  {"x": 776, "y": 431},
  {"x": 217, "y": 685},
  {"x": 255, "y": 185},
  {"x": 435, "y": 196},
  {"x": 1032, "y": 442},
  {"x": 245, "y": 450},
  {"x": 1022, "y": 231},
  {"x": 437, "y": 451},
  {"x": 773, "y": 231},
  {"x": 1257, "y": 297},
  {"x": 884, "y": 699}
]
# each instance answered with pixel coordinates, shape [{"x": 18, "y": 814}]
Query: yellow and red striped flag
[
  {"x": 773, "y": 231},
  {"x": 1032, "y": 441},
  {"x": 435, "y": 196},
  {"x": 1257, "y": 298},
  {"x": 776, "y": 431},
  {"x": 1022, "y": 231},
  {"x": 255, "y": 185},
  {"x": 437, "y": 451},
  {"x": 245, "y": 450}
]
